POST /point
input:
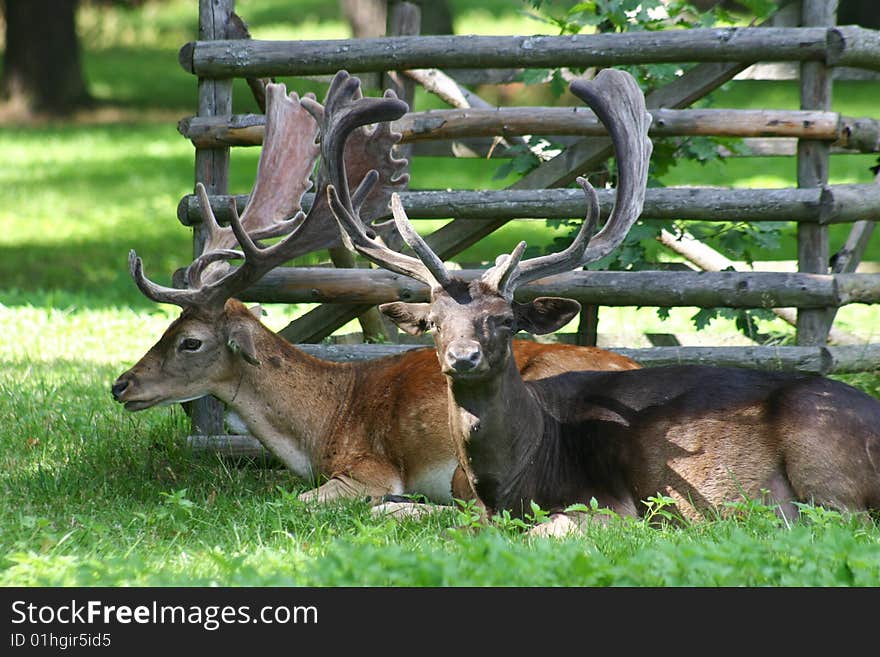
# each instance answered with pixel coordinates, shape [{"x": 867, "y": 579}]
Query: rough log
[
  {"x": 823, "y": 360},
  {"x": 813, "y": 162},
  {"x": 850, "y": 45},
  {"x": 859, "y": 134},
  {"x": 842, "y": 46},
  {"x": 606, "y": 288},
  {"x": 441, "y": 85},
  {"x": 833, "y": 204},
  {"x": 708, "y": 259},
  {"x": 248, "y": 129},
  {"x": 232, "y": 446},
  {"x": 211, "y": 169},
  {"x": 775, "y": 147}
]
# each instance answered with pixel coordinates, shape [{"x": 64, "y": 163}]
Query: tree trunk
[
  {"x": 436, "y": 16},
  {"x": 858, "y": 12},
  {"x": 366, "y": 17},
  {"x": 41, "y": 65}
]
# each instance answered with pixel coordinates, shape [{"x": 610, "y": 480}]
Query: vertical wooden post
[
  {"x": 812, "y": 171},
  {"x": 211, "y": 169},
  {"x": 588, "y": 326},
  {"x": 404, "y": 19}
]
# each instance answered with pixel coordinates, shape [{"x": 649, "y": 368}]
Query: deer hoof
[
  {"x": 558, "y": 526},
  {"x": 403, "y": 510}
]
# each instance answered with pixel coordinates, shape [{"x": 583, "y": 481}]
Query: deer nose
[
  {"x": 118, "y": 388},
  {"x": 464, "y": 356}
]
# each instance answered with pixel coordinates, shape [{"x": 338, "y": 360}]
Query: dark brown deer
[
  {"x": 371, "y": 428},
  {"x": 701, "y": 435}
]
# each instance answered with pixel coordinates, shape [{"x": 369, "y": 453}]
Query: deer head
[
  {"x": 215, "y": 334},
  {"x": 473, "y": 321}
]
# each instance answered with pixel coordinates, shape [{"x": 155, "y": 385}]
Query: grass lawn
[{"x": 97, "y": 496}]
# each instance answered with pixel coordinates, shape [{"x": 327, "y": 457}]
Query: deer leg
[
  {"x": 461, "y": 490},
  {"x": 573, "y": 523},
  {"x": 401, "y": 510},
  {"x": 368, "y": 478}
]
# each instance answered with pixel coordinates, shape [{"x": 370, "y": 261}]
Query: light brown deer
[
  {"x": 371, "y": 428},
  {"x": 701, "y": 435}
]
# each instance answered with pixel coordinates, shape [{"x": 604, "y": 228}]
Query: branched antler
[
  {"x": 284, "y": 172},
  {"x": 618, "y": 102}
]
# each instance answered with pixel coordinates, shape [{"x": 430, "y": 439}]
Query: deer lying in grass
[
  {"x": 700, "y": 435},
  {"x": 372, "y": 428}
]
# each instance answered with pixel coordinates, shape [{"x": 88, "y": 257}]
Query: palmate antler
[
  {"x": 284, "y": 172},
  {"x": 283, "y": 176},
  {"x": 619, "y": 103}
]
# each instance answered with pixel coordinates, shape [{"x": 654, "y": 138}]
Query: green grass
[{"x": 97, "y": 496}]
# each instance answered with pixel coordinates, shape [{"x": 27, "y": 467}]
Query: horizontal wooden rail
[
  {"x": 817, "y": 360},
  {"x": 488, "y": 147},
  {"x": 248, "y": 129},
  {"x": 821, "y": 360},
  {"x": 833, "y": 204},
  {"x": 606, "y": 288},
  {"x": 840, "y": 46}
]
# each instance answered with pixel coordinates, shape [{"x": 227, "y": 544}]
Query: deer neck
[
  {"x": 493, "y": 423},
  {"x": 288, "y": 400}
]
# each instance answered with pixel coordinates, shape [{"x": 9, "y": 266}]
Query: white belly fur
[{"x": 435, "y": 482}]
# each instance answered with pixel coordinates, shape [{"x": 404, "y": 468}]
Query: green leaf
[
  {"x": 702, "y": 318},
  {"x": 535, "y": 75},
  {"x": 576, "y": 508},
  {"x": 503, "y": 171},
  {"x": 582, "y": 6}
]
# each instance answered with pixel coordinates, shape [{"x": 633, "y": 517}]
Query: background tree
[
  {"x": 42, "y": 70},
  {"x": 42, "y": 67},
  {"x": 368, "y": 17}
]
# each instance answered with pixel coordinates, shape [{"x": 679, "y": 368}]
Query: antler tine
[
  {"x": 358, "y": 240},
  {"x": 431, "y": 260},
  {"x": 508, "y": 272},
  {"x": 257, "y": 262},
  {"x": 196, "y": 270},
  {"x": 153, "y": 291},
  {"x": 215, "y": 231},
  {"x": 619, "y": 103}
]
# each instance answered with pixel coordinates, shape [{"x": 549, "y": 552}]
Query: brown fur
[{"x": 373, "y": 427}]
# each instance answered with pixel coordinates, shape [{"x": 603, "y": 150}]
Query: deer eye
[
  {"x": 190, "y": 344},
  {"x": 506, "y": 322}
]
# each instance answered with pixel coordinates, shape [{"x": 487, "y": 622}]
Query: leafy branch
[{"x": 737, "y": 240}]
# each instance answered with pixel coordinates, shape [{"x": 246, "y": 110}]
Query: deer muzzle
[
  {"x": 124, "y": 391},
  {"x": 118, "y": 388},
  {"x": 464, "y": 357}
]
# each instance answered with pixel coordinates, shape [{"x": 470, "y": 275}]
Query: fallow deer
[
  {"x": 370, "y": 428},
  {"x": 700, "y": 435}
]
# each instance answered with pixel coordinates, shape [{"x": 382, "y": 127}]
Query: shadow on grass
[{"x": 93, "y": 272}]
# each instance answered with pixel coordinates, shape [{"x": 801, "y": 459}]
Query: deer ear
[
  {"x": 545, "y": 314},
  {"x": 410, "y": 317},
  {"x": 257, "y": 311},
  {"x": 241, "y": 342}
]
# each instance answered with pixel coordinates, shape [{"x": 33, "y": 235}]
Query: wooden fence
[{"x": 812, "y": 133}]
